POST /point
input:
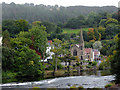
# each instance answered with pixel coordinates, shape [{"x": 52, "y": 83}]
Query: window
[
  {"x": 75, "y": 53},
  {"x": 81, "y": 53},
  {"x": 81, "y": 57},
  {"x": 88, "y": 56},
  {"x": 81, "y": 48}
]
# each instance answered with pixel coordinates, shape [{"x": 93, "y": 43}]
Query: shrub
[
  {"x": 101, "y": 66},
  {"x": 94, "y": 63},
  {"x": 88, "y": 66},
  {"x": 77, "y": 63},
  {"x": 35, "y": 88},
  {"x": 60, "y": 66},
  {"x": 81, "y": 87},
  {"x": 108, "y": 85},
  {"x": 8, "y": 77},
  {"x": 51, "y": 89}
]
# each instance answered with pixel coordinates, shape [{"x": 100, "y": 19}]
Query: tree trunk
[
  {"x": 54, "y": 71},
  {"x": 56, "y": 64},
  {"x": 43, "y": 68}
]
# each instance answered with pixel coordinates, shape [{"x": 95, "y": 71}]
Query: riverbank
[
  {"x": 10, "y": 77},
  {"x": 63, "y": 73}
]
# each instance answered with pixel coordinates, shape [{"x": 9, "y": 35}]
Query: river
[{"x": 87, "y": 81}]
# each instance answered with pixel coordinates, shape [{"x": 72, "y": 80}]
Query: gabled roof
[
  {"x": 77, "y": 45},
  {"x": 96, "y": 52},
  {"x": 50, "y": 41}
]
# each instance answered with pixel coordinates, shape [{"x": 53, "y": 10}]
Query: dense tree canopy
[
  {"x": 115, "y": 63},
  {"x": 31, "y": 12},
  {"x": 25, "y": 52}
]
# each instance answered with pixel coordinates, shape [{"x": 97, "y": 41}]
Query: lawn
[{"x": 76, "y": 31}]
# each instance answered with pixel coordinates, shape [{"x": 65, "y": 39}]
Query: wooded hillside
[{"x": 31, "y": 12}]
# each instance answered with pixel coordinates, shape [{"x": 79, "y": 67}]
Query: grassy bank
[{"x": 76, "y": 31}]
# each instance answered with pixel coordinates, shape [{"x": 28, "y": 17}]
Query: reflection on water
[{"x": 91, "y": 72}]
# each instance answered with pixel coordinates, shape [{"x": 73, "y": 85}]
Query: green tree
[
  {"x": 15, "y": 26},
  {"x": 22, "y": 25},
  {"x": 8, "y": 59},
  {"x": 101, "y": 30},
  {"x": 39, "y": 36},
  {"x": 27, "y": 46},
  {"x": 91, "y": 34},
  {"x": 111, "y": 30},
  {"x": 102, "y": 22},
  {"x": 85, "y": 35},
  {"x": 57, "y": 50},
  {"x": 91, "y": 19},
  {"x": 58, "y": 30},
  {"x": 10, "y": 26},
  {"x": 97, "y": 35},
  {"x": 111, "y": 21},
  {"x": 50, "y": 27},
  {"x": 97, "y": 45},
  {"x": 115, "y": 60},
  {"x": 6, "y": 39}
]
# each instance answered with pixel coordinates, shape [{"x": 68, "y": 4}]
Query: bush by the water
[
  {"x": 50, "y": 67},
  {"x": 8, "y": 77},
  {"x": 108, "y": 85}
]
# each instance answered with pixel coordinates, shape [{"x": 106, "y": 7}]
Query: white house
[
  {"x": 48, "y": 51},
  {"x": 96, "y": 54}
]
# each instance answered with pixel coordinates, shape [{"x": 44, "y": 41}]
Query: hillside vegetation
[{"x": 31, "y": 12}]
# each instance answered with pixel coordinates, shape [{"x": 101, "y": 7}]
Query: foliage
[
  {"x": 6, "y": 39},
  {"x": 108, "y": 85},
  {"x": 8, "y": 77},
  {"x": 102, "y": 66},
  {"x": 91, "y": 34},
  {"x": 74, "y": 86},
  {"x": 74, "y": 23},
  {"x": 111, "y": 21},
  {"x": 88, "y": 44},
  {"x": 51, "y": 67},
  {"x": 57, "y": 50},
  {"x": 39, "y": 36},
  {"x": 94, "y": 63},
  {"x": 27, "y": 65},
  {"x": 22, "y": 25},
  {"x": 97, "y": 45},
  {"x": 115, "y": 63},
  {"x": 102, "y": 23},
  {"x": 108, "y": 47},
  {"x": 111, "y": 31},
  {"x": 15, "y": 26},
  {"x": 56, "y": 14},
  {"x": 81, "y": 87},
  {"x": 8, "y": 60},
  {"x": 101, "y": 30},
  {"x": 50, "y": 27},
  {"x": 25, "y": 53},
  {"x": 91, "y": 19}
]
